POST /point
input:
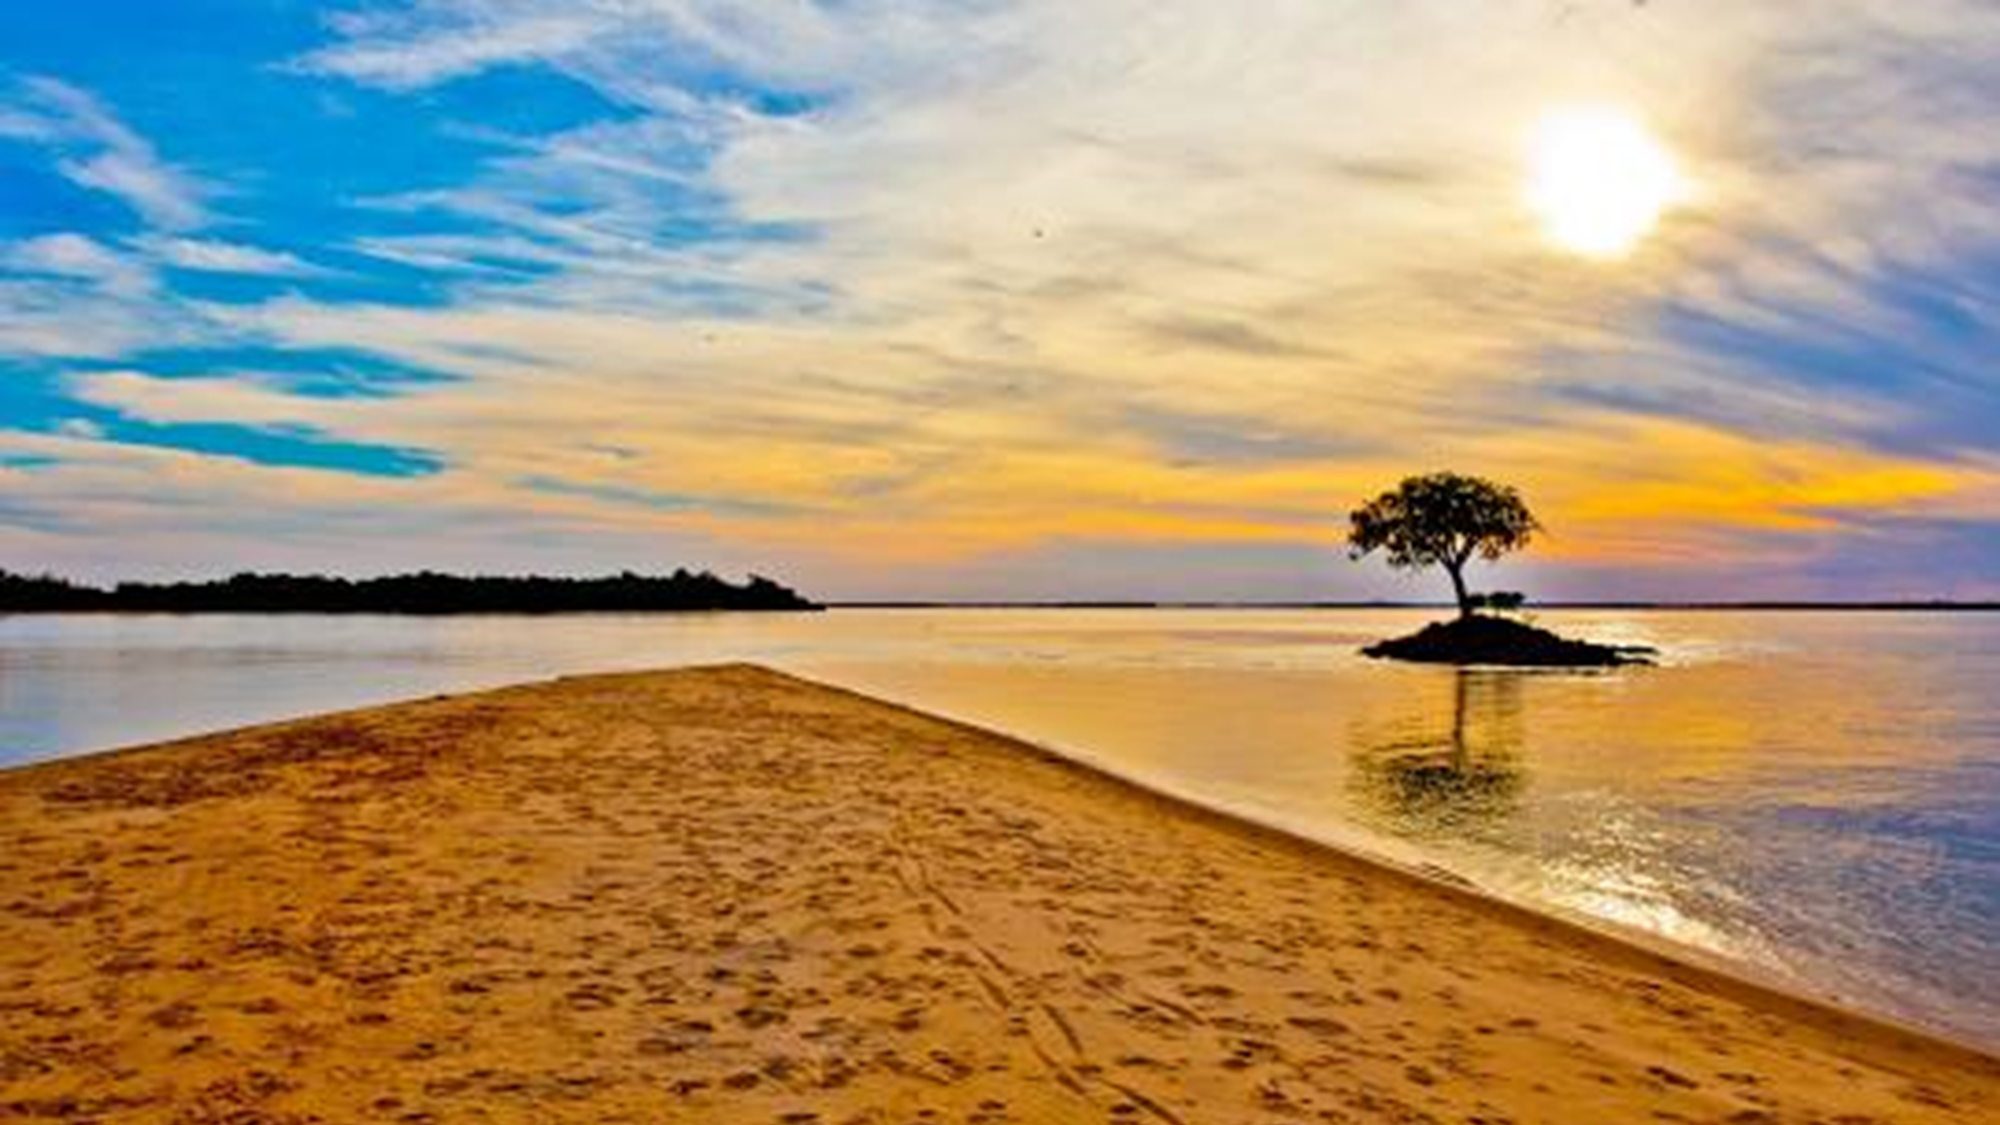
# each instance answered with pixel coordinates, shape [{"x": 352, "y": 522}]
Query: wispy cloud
[
  {"x": 242, "y": 400},
  {"x": 433, "y": 42},
  {"x": 101, "y": 153},
  {"x": 215, "y": 256},
  {"x": 78, "y": 258},
  {"x": 71, "y": 296},
  {"x": 1048, "y": 280},
  {"x": 1113, "y": 254}
]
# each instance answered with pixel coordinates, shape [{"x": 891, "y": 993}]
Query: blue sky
[{"x": 1008, "y": 299}]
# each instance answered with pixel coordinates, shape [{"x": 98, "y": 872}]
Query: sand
[{"x": 725, "y": 895}]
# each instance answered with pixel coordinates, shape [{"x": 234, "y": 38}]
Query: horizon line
[{"x": 1911, "y": 604}]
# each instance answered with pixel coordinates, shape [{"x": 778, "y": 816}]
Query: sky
[{"x": 995, "y": 298}]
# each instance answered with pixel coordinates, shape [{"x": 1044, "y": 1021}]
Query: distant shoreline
[
  {"x": 689, "y": 611},
  {"x": 1776, "y": 606},
  {"x": 423, "y": 593},
  {"x": 1651, "y": 607}
]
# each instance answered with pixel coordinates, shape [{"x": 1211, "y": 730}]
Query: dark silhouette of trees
[
  {"x": 425, "y": 592},
  {"x": 1445, "y": 520},
  {"x": 1500, "y": 601},
  {"x": 45, "y": 592}
]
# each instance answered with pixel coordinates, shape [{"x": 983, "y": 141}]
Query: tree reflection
[{"x": 1430, "y": 778}]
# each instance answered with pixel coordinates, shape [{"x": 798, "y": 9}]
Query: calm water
[{"x": 1815, "y": 795}]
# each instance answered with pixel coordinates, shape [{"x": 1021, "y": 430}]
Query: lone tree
[{"x": 1442, "y": 519}]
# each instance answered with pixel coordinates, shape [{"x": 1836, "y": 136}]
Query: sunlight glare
[{"x": 1599, "y": 180}]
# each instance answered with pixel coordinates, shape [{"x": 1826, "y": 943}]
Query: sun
[{"x": 1599, "y": 180}]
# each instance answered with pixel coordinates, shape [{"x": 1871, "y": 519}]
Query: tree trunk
[{"x": 1457, "y": 572}]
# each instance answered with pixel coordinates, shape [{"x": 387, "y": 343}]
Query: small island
[
  {"x": 425, "y": 593},
  {"x": 1447, "y": 520},
  {"x": 1481, "y": 639}
]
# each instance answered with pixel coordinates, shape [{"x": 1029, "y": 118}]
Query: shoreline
[
  {"x": 1027, "y": 913},
  {"x": 1696, "y": 963},
  {"x": 1693, "y": 958}
]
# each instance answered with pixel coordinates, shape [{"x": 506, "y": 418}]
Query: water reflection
[
  {"x": 1810, "y": 792},
  {"x": 1425, "y": 774}
]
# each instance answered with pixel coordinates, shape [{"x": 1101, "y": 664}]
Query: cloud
[
  {"x": 1146, "y": 284},
  {"x": 435, "y": 43},
  {"x": 236, "y": 400},
  {"x": 71, "y": 296},
  {"x": 74, "y": 294},
  {"x": 215, "y": 256},
  {"x": 1225, "y": 336},
  {"x": 78, "y": 258},
  {"x": 611, "y": 492},
  {"x": 622, "y": 45},
  {"x": 85, "y": 508},
  {"x": 99, "y": 152},
  {"x": 1047, "y": 268}
]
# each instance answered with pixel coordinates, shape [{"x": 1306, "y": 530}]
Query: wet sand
[{"x": 725, "y": 895}]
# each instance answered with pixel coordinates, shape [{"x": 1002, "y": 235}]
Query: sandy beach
[{"x": 727, "y": 895}]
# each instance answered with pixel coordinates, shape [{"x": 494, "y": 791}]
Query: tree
[
  {"x": 1503, "y": 601},
  {"x": 1442, "y": 519}
]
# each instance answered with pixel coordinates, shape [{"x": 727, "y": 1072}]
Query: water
[{"x": 1814, "y": 796}]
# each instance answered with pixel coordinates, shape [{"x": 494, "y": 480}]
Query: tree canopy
[{"x": 1443, "y": 520}]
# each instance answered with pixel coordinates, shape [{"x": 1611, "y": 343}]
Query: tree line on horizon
[{"x": 425, "y": 592}]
